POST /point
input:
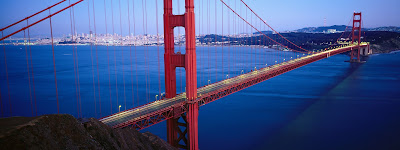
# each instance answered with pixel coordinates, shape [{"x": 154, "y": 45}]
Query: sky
[{"x": 282, "y": 15}]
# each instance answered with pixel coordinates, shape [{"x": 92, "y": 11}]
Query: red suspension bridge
[{"x": 180, "y": 110}]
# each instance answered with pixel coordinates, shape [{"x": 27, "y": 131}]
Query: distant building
[{"x": 331, "y": 31}]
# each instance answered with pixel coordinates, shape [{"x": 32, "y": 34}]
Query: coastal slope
[{"x": 66, "y": 132}]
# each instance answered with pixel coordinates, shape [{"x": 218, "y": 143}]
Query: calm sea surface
[{"x": 329, "y": 104}]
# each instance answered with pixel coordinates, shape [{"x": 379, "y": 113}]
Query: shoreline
[{"x": 396, "y": 50}]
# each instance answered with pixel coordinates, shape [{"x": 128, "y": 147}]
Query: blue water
[{"x": 329, "y": 104}]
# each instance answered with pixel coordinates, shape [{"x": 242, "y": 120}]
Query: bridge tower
[
  {"x": 356, "y": 37},
  {"x": 172, "y": 60}
]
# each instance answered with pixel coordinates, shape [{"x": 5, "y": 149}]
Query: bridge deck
[{"x": 158, "y": 111}]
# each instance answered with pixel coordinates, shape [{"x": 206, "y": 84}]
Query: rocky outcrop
[
  {"x": 386, "y": 46},
  {"x": 65, "y": 132}
]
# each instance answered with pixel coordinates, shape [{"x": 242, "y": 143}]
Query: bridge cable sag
[
  {"x": 271, "y": 27},
  {"x": 2, "y": 29},
  {"x": 256, "y": 28}
]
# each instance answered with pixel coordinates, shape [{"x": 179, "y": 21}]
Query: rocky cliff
[
  {"x": 386, "y": 46},
  {"x": 65, "y": 132}
]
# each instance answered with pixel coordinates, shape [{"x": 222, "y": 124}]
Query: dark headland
[{"x": 66, "y": 132}]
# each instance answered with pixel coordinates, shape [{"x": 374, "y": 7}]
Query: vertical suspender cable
[
  {"x": 215, "y": 43},
  {"x": 158, "y": 52},
  {"x": 222, "y": 37},
  {"x": 130, "y": 52},
  {"x": 91, "y": 58},
  {"x": 136, "y": 72},
  {"x": 247, "y": 42},
  {"x": 208, "y": 41},
  {"x": 242, "y": 45},
  {"x": 73, "y": 56},
  {"x": 115, "y": 55},
  {"x": 122, "y": 52},
  {"x": 235, "y": 39},
  {"x": 29, "y": 78},
  {"x": 147, "y": 51},
  {"x": 145, "y": 54},
  {"x": 8, "y": 82},
  {"x": 54, "y": 64},
  {"x": 108, "y": 57},
  {"x": 33, "y": 77},
  {"x": 198, "y": 48},
  {"x": 77, "y": 63},
  {"x": 97, "y": 57}
]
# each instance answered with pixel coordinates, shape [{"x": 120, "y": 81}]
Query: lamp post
[
  {"x": 161, "y": 95},
  {"x": 156, "y": 97},
  {"x": 119, "y": 108}
]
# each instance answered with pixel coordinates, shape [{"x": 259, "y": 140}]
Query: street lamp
[
  {"x": 156, "y": 97},
  {"x": 119, "y": 108},
  {"x": 162, "y": 95}
]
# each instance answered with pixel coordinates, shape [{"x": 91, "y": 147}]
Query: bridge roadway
[{"x": 152, "y": 113}]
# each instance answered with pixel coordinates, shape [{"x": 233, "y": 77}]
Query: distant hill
[
  {"x": 265, "y": 32},
  {"x": 341, "y": 28},
  {"x": 389, "y": 28},
  {"x": 322, "y": 29}
]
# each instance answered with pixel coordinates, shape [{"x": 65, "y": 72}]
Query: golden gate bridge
[{"x": 179, "y": 110}]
